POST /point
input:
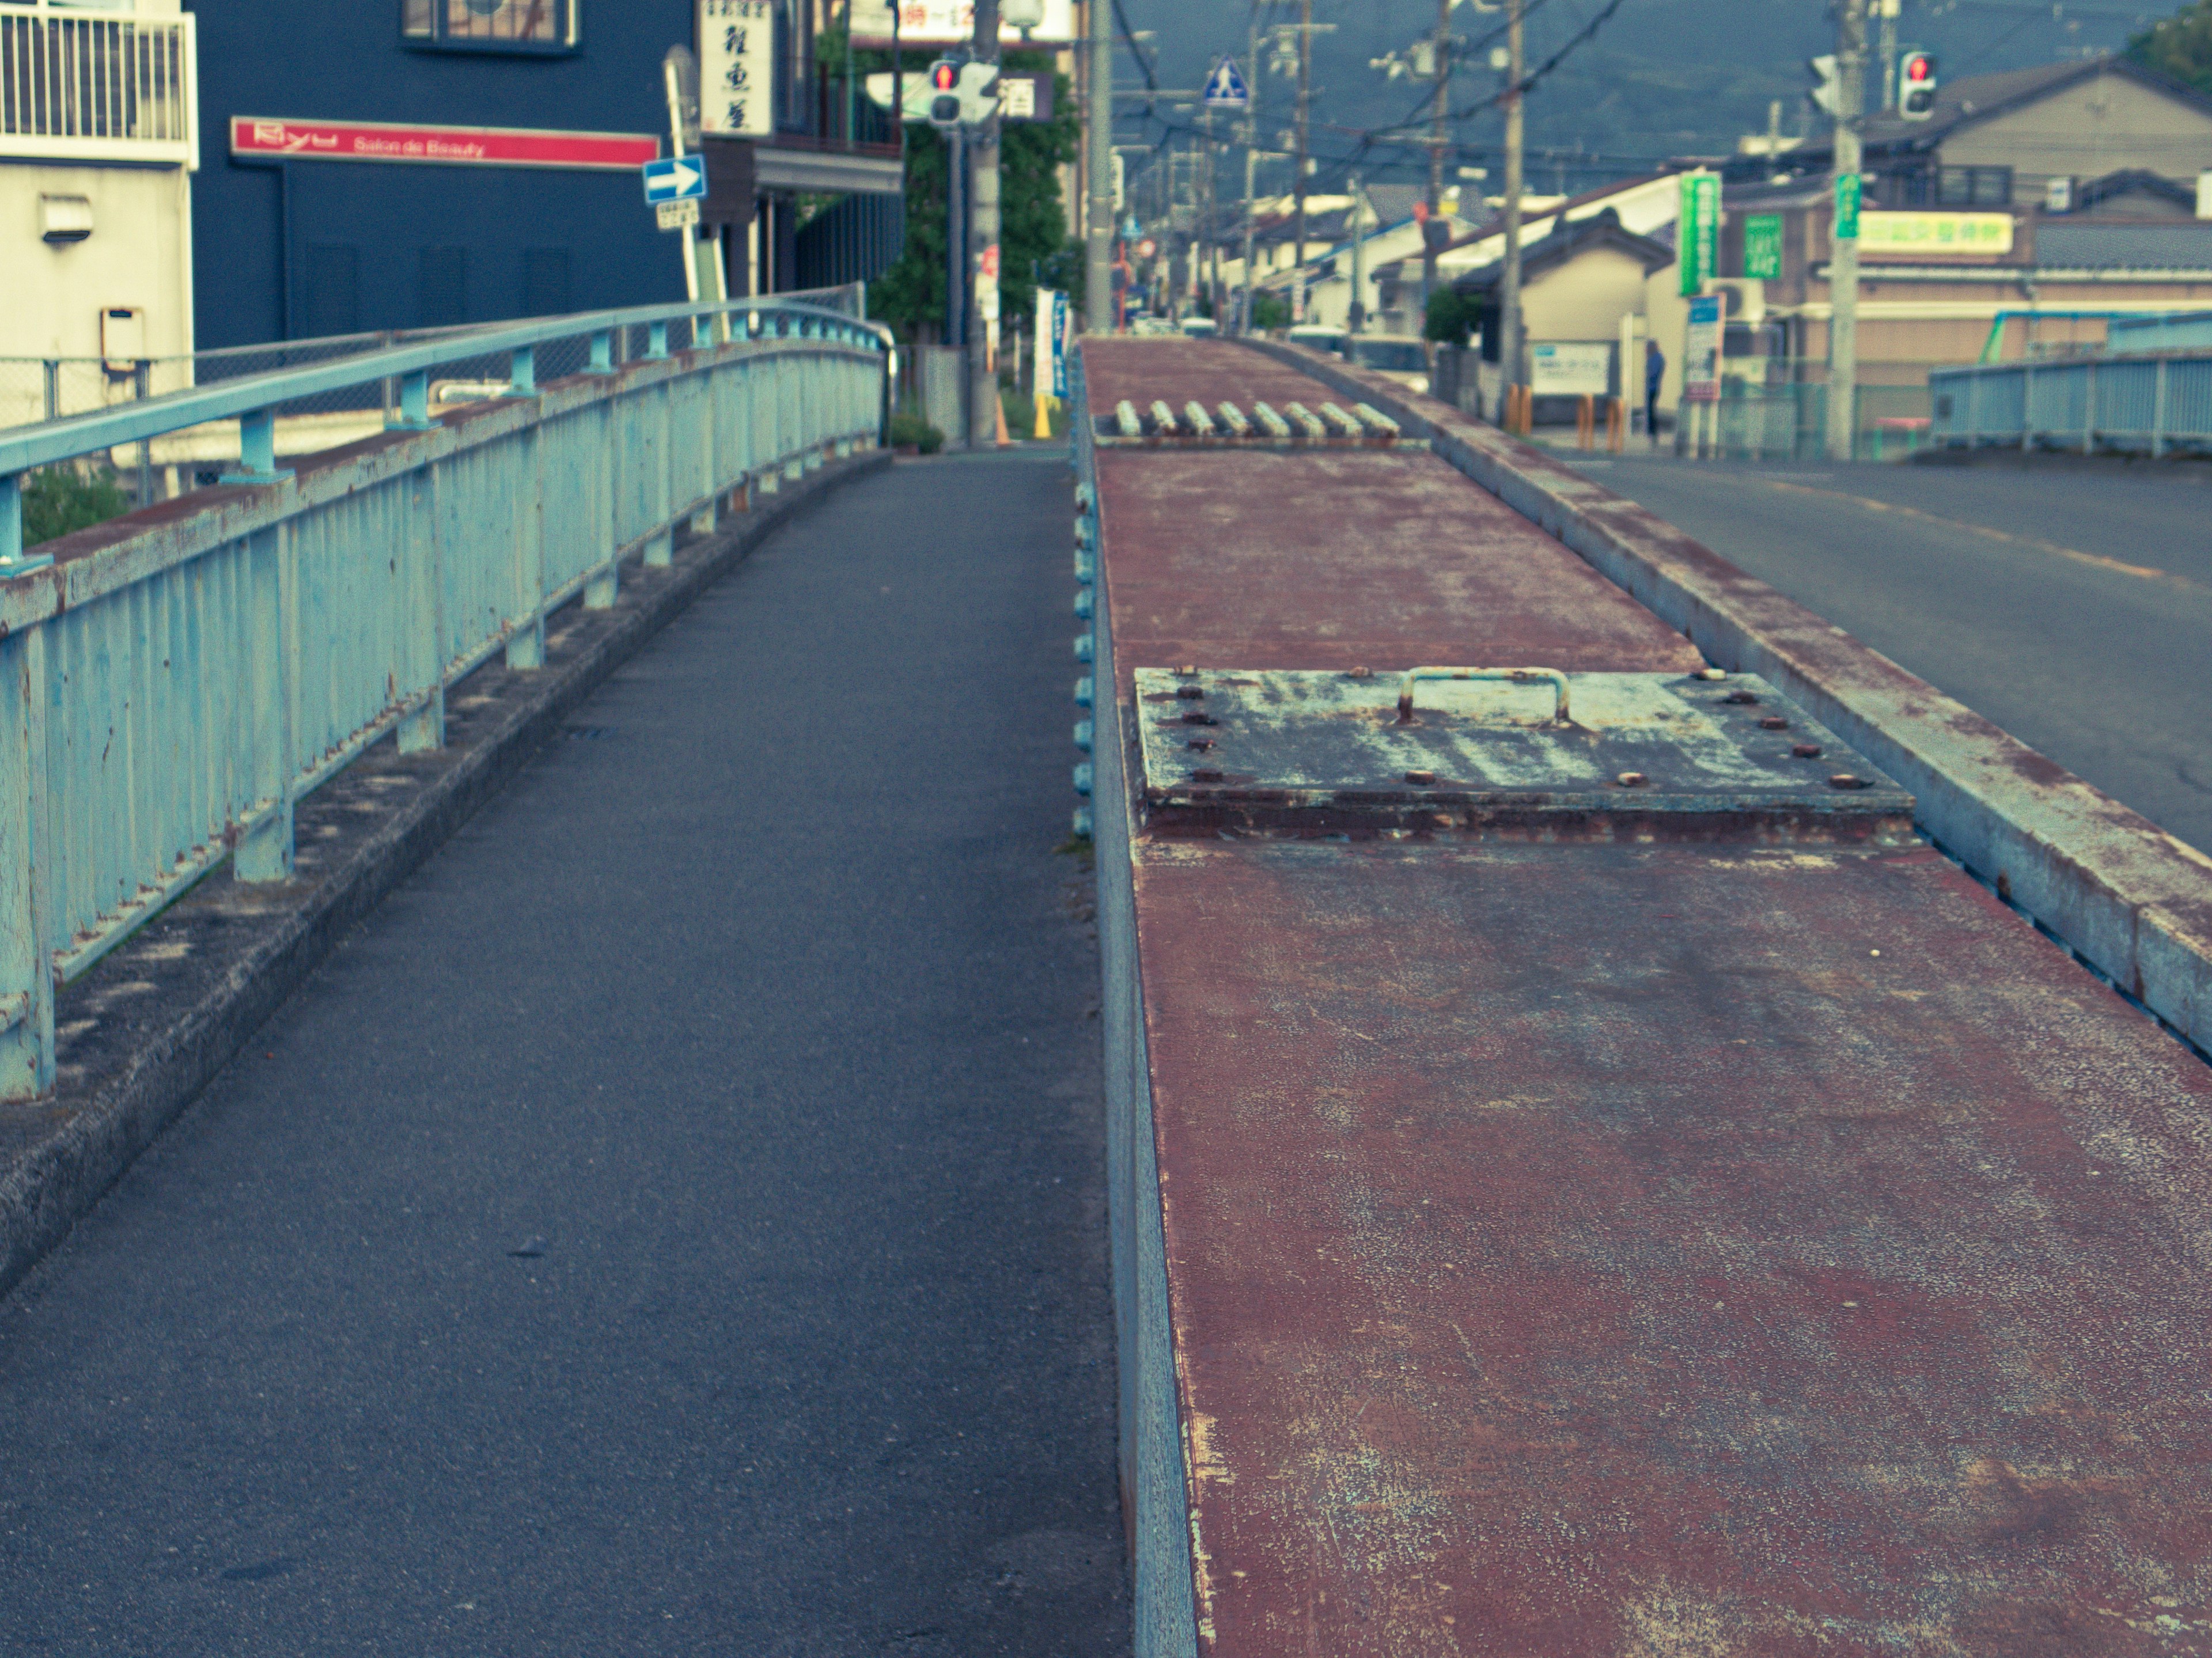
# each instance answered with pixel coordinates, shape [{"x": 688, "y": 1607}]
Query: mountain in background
[{"x": 1661, "y": 78}]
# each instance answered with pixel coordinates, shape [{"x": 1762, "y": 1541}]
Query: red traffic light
[
  {"x": 945, "y": 76},
  {"x": 1920, "y": 67}
]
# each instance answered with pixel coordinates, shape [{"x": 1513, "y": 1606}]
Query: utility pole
[
  {"x": 1509, "y": 297},
  {"x": 1305, "y": 93},
  {"x": 1251, "y": 164},
  {"x": 1098, "y": 221},
  {"x": 1355, "y": 317},
  {"x": 1436, "y": 154},
  {"x": 1843, "y": 263},
  {"x": 1889, "y": 11},
  {"x": 983, "y": 250}
]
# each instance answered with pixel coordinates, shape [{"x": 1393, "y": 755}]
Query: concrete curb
[
  {"x": 2131, "y": 899},
  {"x": 58, "y": 1181}
]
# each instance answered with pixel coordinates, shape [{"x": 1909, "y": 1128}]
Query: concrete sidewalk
[{"x": 671, "y": 1222}]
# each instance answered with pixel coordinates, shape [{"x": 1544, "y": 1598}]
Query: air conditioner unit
[{"x": 64, "y": 219}]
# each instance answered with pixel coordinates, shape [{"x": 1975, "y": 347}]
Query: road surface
[
  {"x": 672, "y": 1222},
  {"x": 2073, "y": 607}
]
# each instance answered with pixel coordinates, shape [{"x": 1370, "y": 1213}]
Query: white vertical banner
[
  {"x": 1041, "y": 376},
  {"x": 736, "y": 67}
]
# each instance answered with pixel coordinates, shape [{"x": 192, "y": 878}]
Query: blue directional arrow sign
[
  {"x": 1226, "y": 87},
  {"x": 675, "y": 179}
]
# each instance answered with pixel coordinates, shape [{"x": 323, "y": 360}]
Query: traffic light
[
  {"x": 963, "y": 93},
  {"x": 1916, "y": 86},
  {"x": 1826, "y": 81},
  {"x": 945, "y": 93}
]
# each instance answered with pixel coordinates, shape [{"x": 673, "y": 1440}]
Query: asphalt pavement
[
  {"x": 672, "y": 1222},
  {"x": 2072, "y": 605}
]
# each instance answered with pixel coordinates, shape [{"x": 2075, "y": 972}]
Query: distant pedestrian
[{"x": 1655, "y": 372}]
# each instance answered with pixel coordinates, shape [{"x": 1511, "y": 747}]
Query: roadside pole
[
  {"x": 1251, "y": 169},
  {"x": 1436, "y": 137},
  {"x": 1509, "y": 297},
  {"x": 1299, "y": 185},
  {"x": 1098, "y": 222},
  {"x": 983, "y": 249},
  {"x": 956, "y": 262},
  {"x": 1844, "y": 264},
  {"x": 1355, "y": 317}
]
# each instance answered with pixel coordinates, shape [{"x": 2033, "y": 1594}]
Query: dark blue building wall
[{"x": 299, "y": 248}]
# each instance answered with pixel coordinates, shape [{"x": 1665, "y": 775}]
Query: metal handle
[{"x": 1551, "y": 677}]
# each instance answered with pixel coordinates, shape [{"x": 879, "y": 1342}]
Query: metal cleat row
[{"x": 1159, "y": 424}]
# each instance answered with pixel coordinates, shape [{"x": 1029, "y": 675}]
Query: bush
[
  {"x": 911, "y": 431},
  {"x": 1270, "y": 311},
  {"x": 1452, "y": 316},
  {"x": 58, "y": 499}
]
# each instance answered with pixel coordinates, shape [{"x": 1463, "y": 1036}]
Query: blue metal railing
[
  {"x": 179, "y": 678},
  {"x": 2149, "y": 405}
]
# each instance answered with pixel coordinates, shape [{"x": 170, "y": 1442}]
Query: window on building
[
  {"x": 491, "y": 25},
  {"x": 544, "y": 282},
  {"x": 442, "y": 294},
  {"x": 1974, "y": 186}
]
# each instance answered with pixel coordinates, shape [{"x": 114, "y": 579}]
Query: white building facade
[{"x": 99, "y": 139}]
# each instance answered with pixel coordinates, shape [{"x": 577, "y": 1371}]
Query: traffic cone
[
  {"x": 1043, "y": 415},
  {"x": 1004, "y": 437}
]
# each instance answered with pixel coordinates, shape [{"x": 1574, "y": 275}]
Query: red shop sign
[{"x": 393, "y": 141}]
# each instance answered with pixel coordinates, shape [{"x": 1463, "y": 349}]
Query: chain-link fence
[{"x": 33, "y": 390}]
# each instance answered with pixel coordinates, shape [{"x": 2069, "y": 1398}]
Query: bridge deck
[{"x": 1635, "y": 1249}]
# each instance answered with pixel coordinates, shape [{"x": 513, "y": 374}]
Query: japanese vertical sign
[
  {"x": 1762, "y": 245},
  {"x": 1701, "y": 350},
  {"x": 1847, "y": 207},
  {"x": 736, "y": 67},
  {"x": 1698, "y": 231}
]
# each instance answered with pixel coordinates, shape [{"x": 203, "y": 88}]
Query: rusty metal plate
[
  {"x": 1596, "y": 1251},
  {"x": 1330, "y": 559},
  {"x": 1580, "y": 756}
]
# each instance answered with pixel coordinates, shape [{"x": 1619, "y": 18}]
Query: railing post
[
  {"x": 53, "y": 369},
  {"x": 14, "y": 561},
  {"x": 421, "y": 632},
  {"x": 414, "y": 403},
  {"x": 525, "y": 639},
  {"x": 602, "y": 585},
  {"x": 656, "y": 341},
  {"x": 27, "y": 976},
  {"x": 522, "y": 372},
  {"x": 257, "y": 451},
  {"x": 264, "y": 852},
  {"x": 602, "y": 352},
  {"x": 142, "y": 383},
  {"x": 2158, "y": 411}
]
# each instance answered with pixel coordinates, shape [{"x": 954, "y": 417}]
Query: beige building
[{"x": 96, "y": 158}]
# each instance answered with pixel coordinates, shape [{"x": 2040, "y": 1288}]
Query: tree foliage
[
  {"x": 1033, "y": 237},
  {"x": 2180, "y": 46},
  {"x": 58, "y": 501}
]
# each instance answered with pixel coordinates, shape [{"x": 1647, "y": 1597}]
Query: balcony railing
[{"x": 117, "y": 87}]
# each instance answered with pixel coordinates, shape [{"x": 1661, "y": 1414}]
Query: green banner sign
[
  {"x": 1698, "y": 231},
  {"x": 1847, "y": 207},
  {"x": 1762, "y": 245}
]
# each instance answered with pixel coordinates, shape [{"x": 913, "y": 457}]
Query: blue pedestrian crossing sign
[
  {"x": 1226, "y": 87},
  {"x": 675, "y": 179}
]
